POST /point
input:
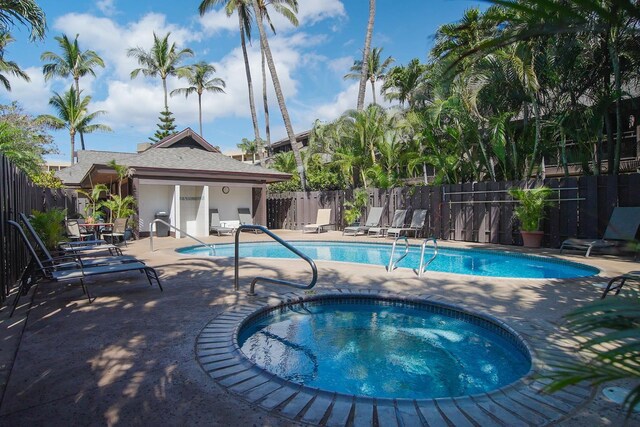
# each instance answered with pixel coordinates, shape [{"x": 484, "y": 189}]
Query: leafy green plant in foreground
[
  {"x": 530, "y": 210},
  {"x": 611, "y": 328},
  {"x": 50, "y": 226}
]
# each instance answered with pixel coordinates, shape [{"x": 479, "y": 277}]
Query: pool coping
[
  {"x": 515, "y": 254},
  {"x": 519, "y": 403}
]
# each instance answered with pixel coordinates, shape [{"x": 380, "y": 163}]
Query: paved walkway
[{"x": 130, "y": 356}]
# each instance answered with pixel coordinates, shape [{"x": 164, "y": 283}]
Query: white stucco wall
[
  {"x": 152, "y": 199},
  {"x": 228, "y": 204}
]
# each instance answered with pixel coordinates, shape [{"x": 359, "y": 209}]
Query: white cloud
[
  {"x": 217, "y": 21},
  {"x": 107, "y": 7},
  {"x": 346, "y": 100},
  {"x": 341, "y": 65},
  {"x": 34, "y": 95}
]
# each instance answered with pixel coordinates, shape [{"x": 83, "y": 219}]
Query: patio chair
[
  {"x": 74, "y": 232},
  {"x": 398, "y": 221},
  {"x": 418, "y": 219},
  {"x": 633, "y": 276},
  {"x": 245, "y": 218},
  {"x": 71, "y": 268},
  {"x": 215, "y": 225},
  {"x": 623, "y": 227},
  {"x": 88, "y": 262},
  {"x": 118, "y": 231},
  {"x": 323, "y": 219},
  {"x": 373, "y": 220}
]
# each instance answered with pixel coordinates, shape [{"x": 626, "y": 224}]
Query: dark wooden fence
[
  {"x": 475, "y": 212},
  {"x": 18, "y": 194}
]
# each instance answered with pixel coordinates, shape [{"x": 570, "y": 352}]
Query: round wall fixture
[{"x": 225, "y": 189}]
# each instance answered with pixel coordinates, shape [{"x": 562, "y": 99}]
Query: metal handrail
[
  {"x": 266, "y": 231},
  {"x": 212, "y": 249},
  {"x": 394, "y": 264},
  {"x": 423, "y": 267}
]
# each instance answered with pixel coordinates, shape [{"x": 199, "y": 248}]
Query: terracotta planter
[{"x": 532, "y": 239}]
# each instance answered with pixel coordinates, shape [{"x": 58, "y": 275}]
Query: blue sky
[{"x": 311, "y": 61}]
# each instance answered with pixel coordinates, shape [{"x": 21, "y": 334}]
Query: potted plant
[{"x": 530, "y": 210}]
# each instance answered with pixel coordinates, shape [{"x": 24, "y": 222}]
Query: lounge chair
[
  {"x": 612, "y": 286},
  {"x": 62, "y": 270},
  {"x": 373, "y": 220},
  {"x": 398, "y": 221},
  {"x": 418, "y": 219},
  {"x": 215, "y": 225},
  {"x": 245, "y": 218},
  {"x": 623, "y": 227},
  {"x": 323, "y": 219},
  {"x": 118, "y": 231},
  {"x": 86, "y": 261}
]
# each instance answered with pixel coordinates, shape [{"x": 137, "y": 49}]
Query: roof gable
[{"x": 185, "y": 138}]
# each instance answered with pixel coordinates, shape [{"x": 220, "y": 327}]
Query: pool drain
[{"x": 617, "y": 395}]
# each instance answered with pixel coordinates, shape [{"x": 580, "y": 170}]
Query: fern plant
[
  {"x": 50, "y": 226},
  {"x": 530, "y": 209}
]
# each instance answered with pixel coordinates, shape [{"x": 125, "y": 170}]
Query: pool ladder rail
[
  {"x": 212, "y": 249},
  {"x": 265, "y": 230},
  {"x": 393, "y": 264}
]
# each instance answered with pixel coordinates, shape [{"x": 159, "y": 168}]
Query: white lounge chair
[
  {"x": 373, "y": 220},
  {"x": 623, "y": 227},
  {"x": 418, "y": 219},
  {"x": 323, "y": 219},
  {"x": 398, "y": 221},
  {"x": 216, "y": 226}
]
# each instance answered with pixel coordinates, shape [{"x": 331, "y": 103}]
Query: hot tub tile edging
[{"x": 254, "y": 384}]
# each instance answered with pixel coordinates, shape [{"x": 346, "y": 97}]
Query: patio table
[{"x": 97, "y": 227}]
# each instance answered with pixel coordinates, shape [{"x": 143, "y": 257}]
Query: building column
[
  {"x": 175, "y": 210},
  {"x": 259, "y": 208},
  {"x": 204, "y": 211}
]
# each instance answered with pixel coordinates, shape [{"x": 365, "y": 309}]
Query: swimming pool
[
  {"x": 385, "y": 348},
  {"x": 459, "y": 261}
]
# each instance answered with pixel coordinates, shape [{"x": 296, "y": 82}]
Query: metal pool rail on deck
[
  {"x": 266, "y": 231},
  {"x": 212, "y": 249},
  {"x": 423, "y": 267}
]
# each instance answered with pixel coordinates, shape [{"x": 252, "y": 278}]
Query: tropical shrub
[
  {"x": 50, "y": 226},
  {"x": 530, "y": 210},
  {"x": 353, "y": 209}
]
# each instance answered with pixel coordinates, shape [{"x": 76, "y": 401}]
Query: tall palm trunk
[
  {"x": 265, "y": 101},
  {"x": 283, "y": 108},
  {"x": 252, "y": 105},
  {"x": 365, "y": 55},
  {"x": 373, "y": 89},
  {"x": 72, "y": 134},
  {"x": 615, "y": 62},
  {"x": 200, "y": 111},
  {"x": 164, "y": 87},
  {"x": 77, "y": 83}
]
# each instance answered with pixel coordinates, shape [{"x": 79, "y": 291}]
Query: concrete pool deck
[{"x": 130, "y": 356}]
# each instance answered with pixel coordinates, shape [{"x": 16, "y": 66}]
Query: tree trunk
[
  {"x": 164, "y": 87},
  {"x": 365, "y": 55},
  {"x": 615, "y": 62},
  {"x": 200, "y": 112},
  {"x": 373, "y": 90},
  {"x": 73, "y": 144},
  {"x": 77, "y": 81},
  {"x": 252, "y": 105},
  {"x": 536, "y": 142},
  {"x": 266, "y": 104},
  {"x": 281, "y": 103}
]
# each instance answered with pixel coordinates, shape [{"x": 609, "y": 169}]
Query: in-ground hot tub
[{"x": 383, "y": 347}]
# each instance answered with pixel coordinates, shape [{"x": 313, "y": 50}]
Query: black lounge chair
[
  {"x": 613, "y": 285},
  {"x": 623, "y": 227},
  {"x": 70, "y": 268}
]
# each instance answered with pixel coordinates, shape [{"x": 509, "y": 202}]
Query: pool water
[
  {"x": 460, "y": 261},
  {"x": 384, "y": 351}
]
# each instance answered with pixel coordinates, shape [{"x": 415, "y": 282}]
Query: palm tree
[
  {"x": 26, "y": 12},
  {"x": 73, "y": 62},
  {"x": 163, "y": 59},
  {"x": 365, "y": 55},
  {"x": 9, "y": 67},
  {"x": 200, "y": 78},
  {"x": 245, "y": 15},
  {"x": 376, "y": 70},
  {"x": 288, "y": 9},
  {"x": 281, "y": 103},
  {"x": 402, "y": 82},
  {"x": 73, "y": 115},
  {"x": 249, "y": 147}
]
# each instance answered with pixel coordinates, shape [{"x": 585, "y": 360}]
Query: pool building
[{"x": 183, "y": 176}]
